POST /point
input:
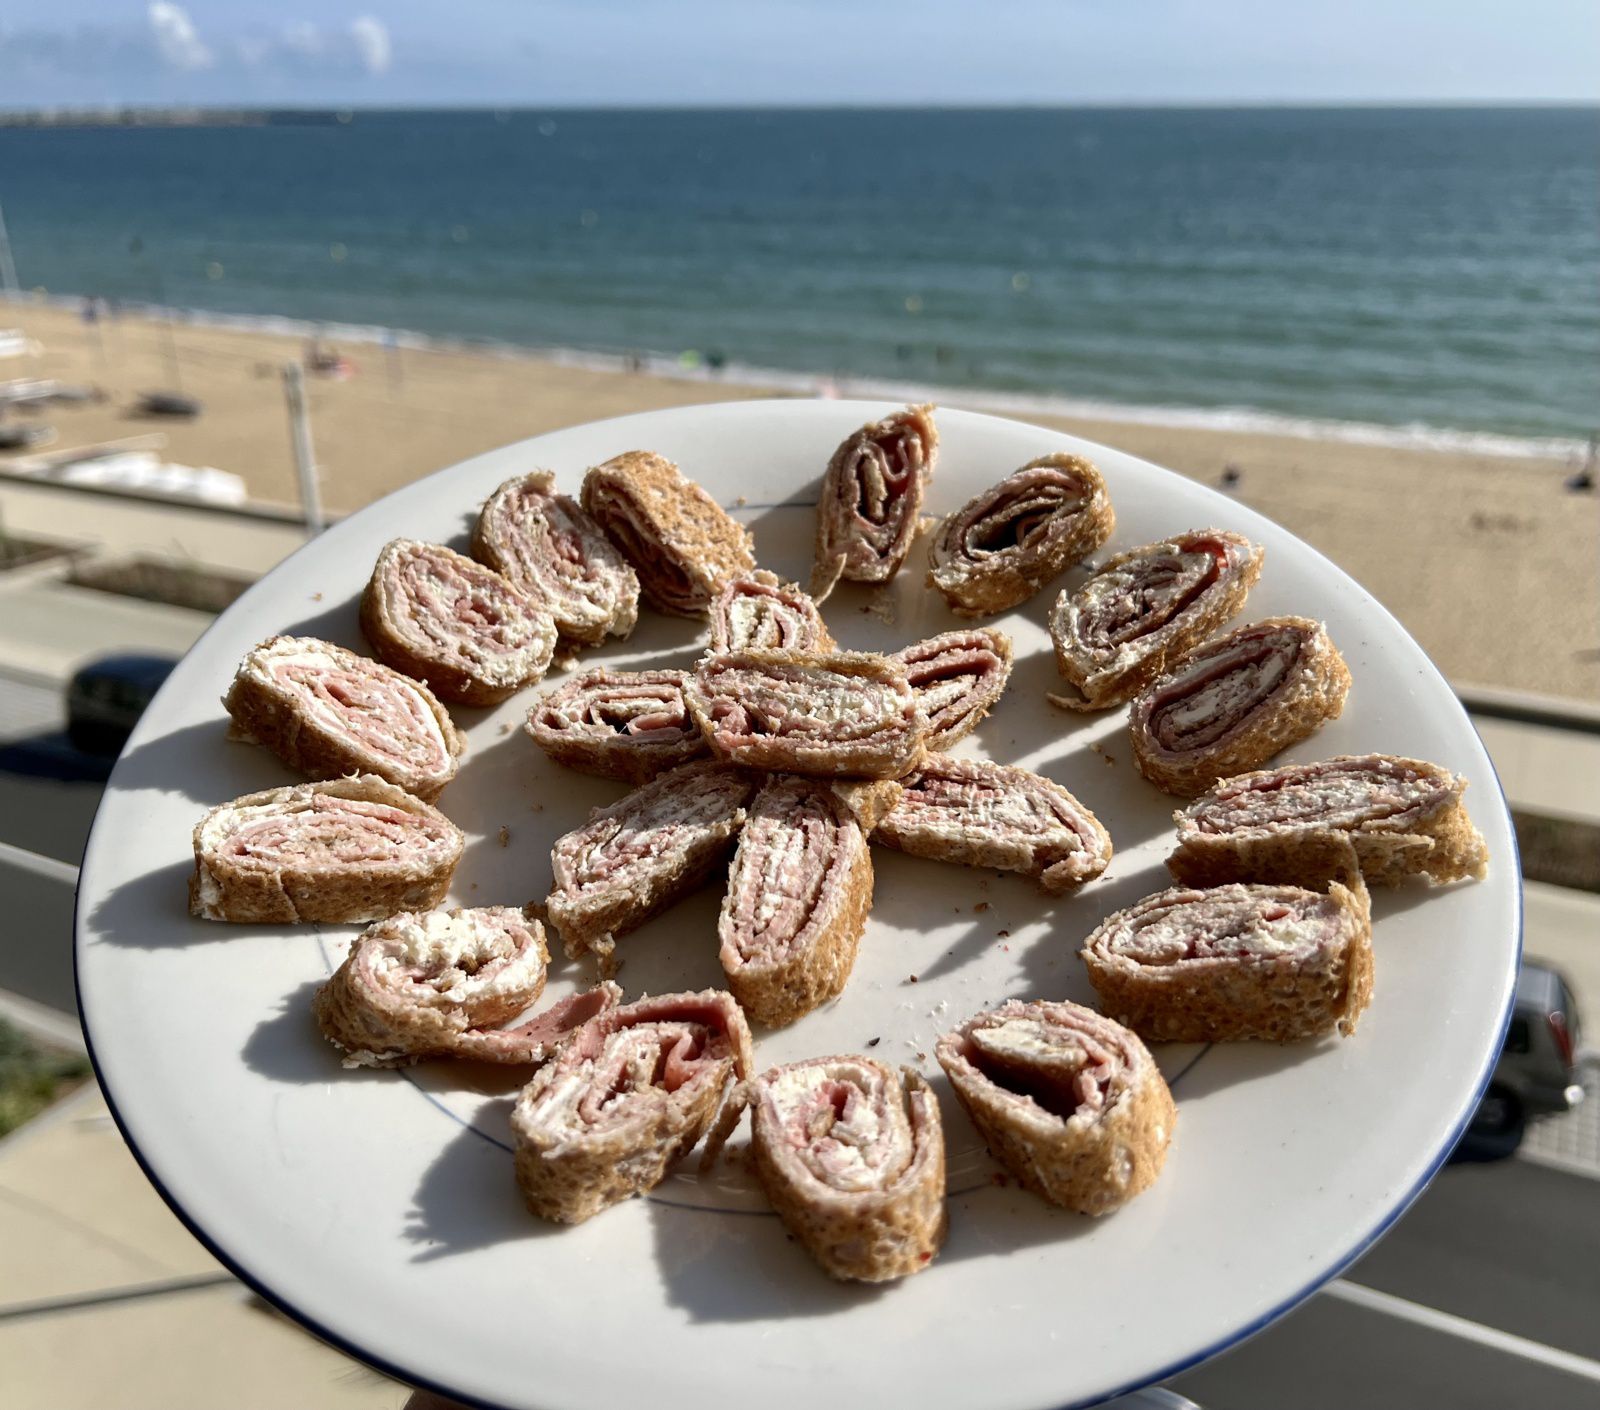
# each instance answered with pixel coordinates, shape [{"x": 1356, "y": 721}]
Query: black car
[{"x": 106, "y": 698}]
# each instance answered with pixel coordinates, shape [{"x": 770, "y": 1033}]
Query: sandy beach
[{"x": 1487, "y": 560}]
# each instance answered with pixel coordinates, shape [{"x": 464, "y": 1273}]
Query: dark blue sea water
[{"x": 1398, "y": 267}]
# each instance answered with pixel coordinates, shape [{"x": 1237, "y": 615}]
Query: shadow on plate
[{"x": 151, "y": 912}]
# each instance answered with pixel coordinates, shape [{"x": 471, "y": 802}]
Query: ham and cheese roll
[
  {"x": 872, "y": 498},
  {"x": 852, "y": 1159},
  {"x": 428, "y": 984},
  {"x": 1233, "y": 703},
  {"x": 1003, "y": 545},
  {"x": 760, "y": 610},
  {"x": 643, "y": 852},
  {"x": 350, "y": 849},
  {"x": 1145, "y": 608},
  {"x": 630, "y": 725},
  {"x": 681, "y": 542},
  {"x": 327, "y": 712},
  {"x": 556, "y": 554},
  {"x": 797, "y": 900},
  {"x": 957, "y": 677},
  {"x": 1404, "y": 817},
  {"x": 628, "y": 1094},
  {"x": 848, "y": 715},
  {"x": 1234, "y": 962},
  {"x": 981, "y": 814},
  {"x": 442, "y": 618},
  {"x": 1070, "y": 1102}
]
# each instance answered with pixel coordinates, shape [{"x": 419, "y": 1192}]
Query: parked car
[
  {"x": 1537, "y": 1073},
  {"x": 106, "y": 698}
]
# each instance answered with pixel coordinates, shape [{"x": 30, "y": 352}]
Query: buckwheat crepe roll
[
  {"x": 759, "y": 610},
  {"x": 327, "y": 712},
  {"x": 958, "y": 677},
  {"x": 627, "y": 1095},
  {"x": 847, "y": 715},
  {"x": 851, "y": 1154},
  {"x": 681, "y": 542},
  {"x": 981, "y": 814},
  {"x": 1003, "y": 545},
  {"x": 642, "y": 853},
  {"x": 1231, "y": 704},
  {"x": 631, "y": 725},
  {"x": 350, "y": 849},
  {"x": 442, "y": 618},
  {"x": 1235, "y": 962},
  {"x": 1070, "y": 1102},
  {"x": 547, "y": 546},
  {"x": 1404, "y": 817},
  {"x": 797, "y": 900},
  {"x": 1145, "y": 608},
  {"x": 872, "y": 498}
]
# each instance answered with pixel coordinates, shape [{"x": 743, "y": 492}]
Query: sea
[{"x": 1423, "y": 275}]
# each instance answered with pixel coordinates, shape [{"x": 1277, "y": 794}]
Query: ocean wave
[{"x": 1237, "y": 419}]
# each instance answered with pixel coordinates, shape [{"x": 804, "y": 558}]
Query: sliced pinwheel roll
[
  {"x": 872, "y": 498},
  {"x": 628, "y": 1094},
  {"x": 1404, "y": 817},
  {"x": 1002, "y": 546},
  {"x": 681, "y": 542},
  {"x": 350, "y": 849},
  {"x": 848, "y": 715},
  {"x": 442, "y": 618},
  {"x": 1144, "y": 609},
  {"x": 981, "y": 814},
  {"x": 797, "y": 900},
  {"x": 547, "y": 546},
  {"x": 630, "y": 725},
  {"x": 957, "y": 676},
  {"x": 327, "y": 712},
  {"x": 1070, "y": 1102},
  {"x": 429, "y": 984},
  {"x": 1234, "y": 962},
  {"x": 1233, "y": 703},
  {"x": 762, "y": 611},
  {"x": 852, "y": 1159},
  {"x": 643, "y": 852}
]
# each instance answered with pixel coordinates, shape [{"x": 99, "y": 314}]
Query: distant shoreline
[{"x": 1241, "y": 419}]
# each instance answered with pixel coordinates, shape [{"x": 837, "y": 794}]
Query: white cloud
[
  {"x": 177, "y": 40},
  {"x": 303, "y": 37},
  {"x": 371, "y": 38}
]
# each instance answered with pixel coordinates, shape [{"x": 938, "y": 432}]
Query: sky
[{"x": 536, "y": 53}]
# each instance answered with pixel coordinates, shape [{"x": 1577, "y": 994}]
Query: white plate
[{"x": 379, "y": 1207}]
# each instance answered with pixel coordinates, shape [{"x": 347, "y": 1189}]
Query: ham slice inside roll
[
  {"x": 459, "y": 626},
  {"x": 626, "y": 1096},
  {"x": 353, "y": 849},
  {"x": 1235, "y": 702},
  {"x": 630, "y": 725},
  {"x": 871, "y": 498},
  {"x": 1145, "y": 607},
  {"x": 643, "y": 852},
  {"x": 1068, "y": 1100},
  {"x": 760, "y": 610},
  {"x": 329, "y": 712},
  {"x": 982, "y": 814},
  {"x": 547, "y": 546},
  {"x": 957, "y": 677},
  {"x": 1235, "y": 962},
  {"x": 444, "y": 984},
  {"x": 852, "y": 1157},
  {"x": 797, "y": 901},
  {"x": 847, "y": 715},
  {"x": 1403, "y": 816},
  {"x": 1002, "y": 546}
]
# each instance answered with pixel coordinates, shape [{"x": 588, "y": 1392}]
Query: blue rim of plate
[{"x": 1259, "y": 1324}]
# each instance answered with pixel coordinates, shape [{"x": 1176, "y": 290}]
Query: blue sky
[{"x": 549, "y": 52}]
